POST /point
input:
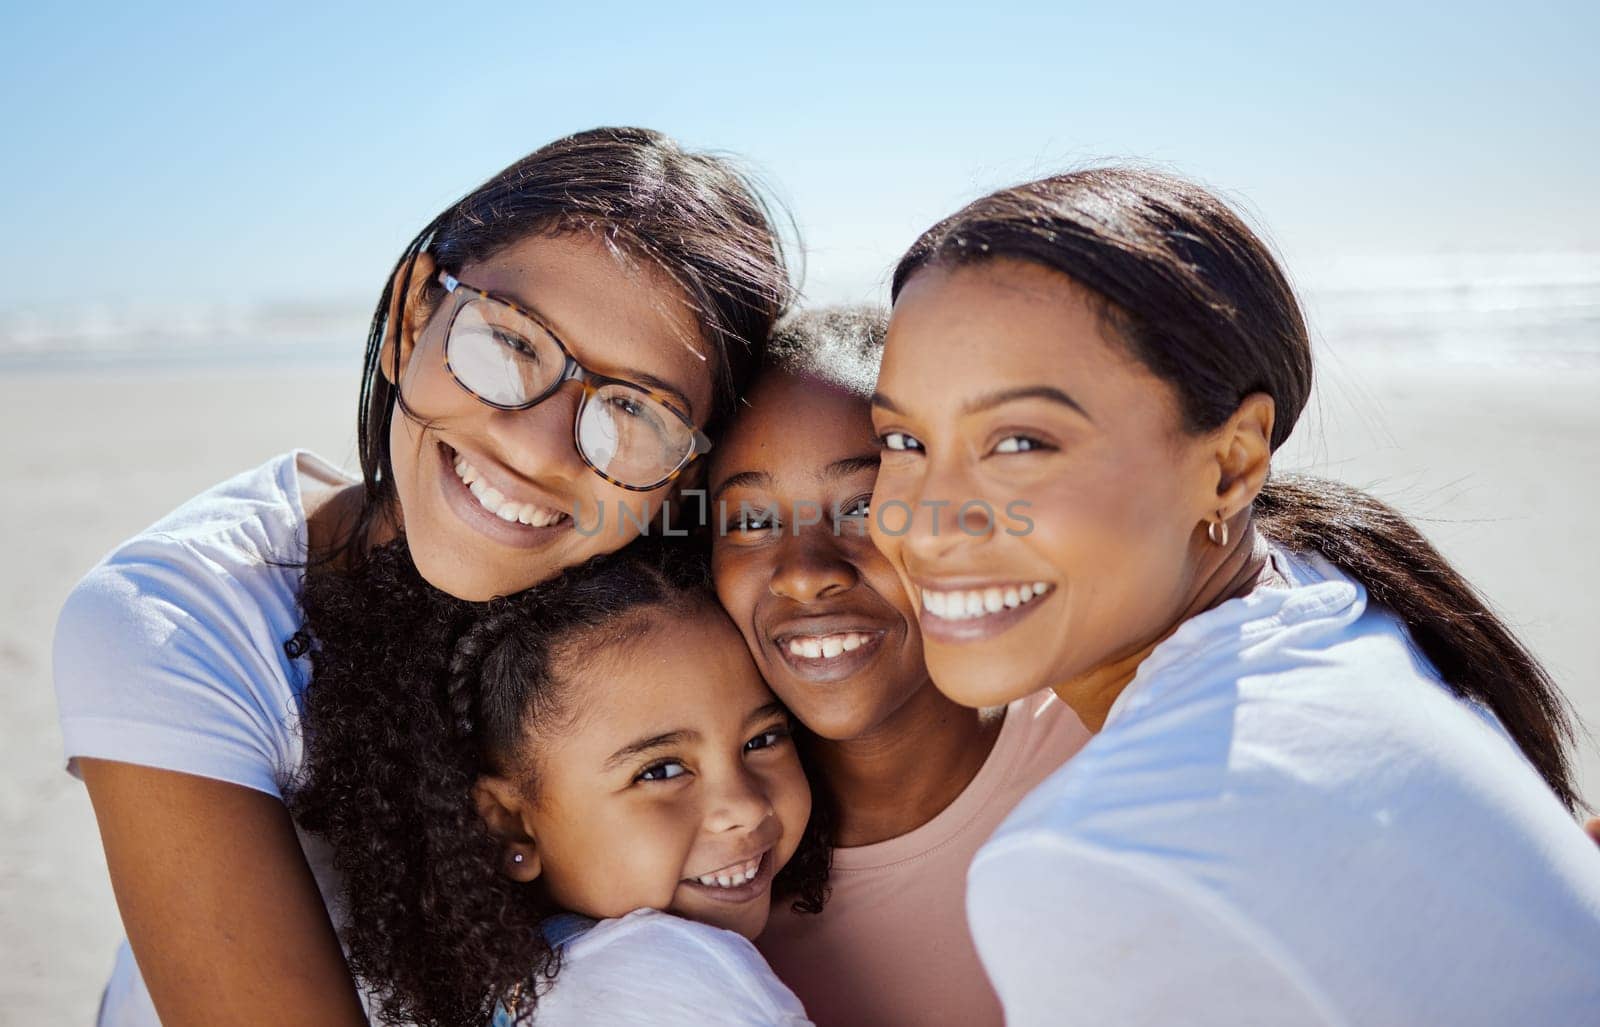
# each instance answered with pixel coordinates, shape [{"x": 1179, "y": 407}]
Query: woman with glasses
[
  {"x": 1327, "y": 784},
  {"x": 567, "y": 338}
]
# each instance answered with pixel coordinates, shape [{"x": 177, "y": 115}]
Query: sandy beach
[{"x": 1501, "y": 467}]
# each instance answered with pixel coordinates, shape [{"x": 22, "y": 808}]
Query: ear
[
  {"x": 408, "y": 313},
  {"x": 503, "y": 807},
  {"x": 1243, "y": 453}
]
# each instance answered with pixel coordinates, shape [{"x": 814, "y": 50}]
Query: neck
[
  {"x": 331, "y": 516},
  {"x": 1223, "y": 573},
  {"x": 906, "y": 770}
]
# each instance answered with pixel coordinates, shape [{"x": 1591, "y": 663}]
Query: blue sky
[{"x": 173, "y": 153}]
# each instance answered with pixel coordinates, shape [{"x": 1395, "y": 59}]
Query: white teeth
[
  {"x": 969, "y": 604},
  {"x": 826, "y": 647},
  {"x": 732, "y": 877},
  {"x": 494, "y": 501}
]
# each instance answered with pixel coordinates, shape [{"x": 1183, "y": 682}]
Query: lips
[
  {"x": 499, "y": 504},
  {"x": 827, "y": 648},
  {"x": 750, "y": 887},
  {"x": 490, "y": 518},
  {"x": 952, "y": 613}
]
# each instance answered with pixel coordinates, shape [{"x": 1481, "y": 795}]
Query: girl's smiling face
[
  {"x": 802, "y": 593},
  {"x": 1000, "y": 385},
  {"x": 673, "y": 784},
  {"x": 625, "y": 319}
]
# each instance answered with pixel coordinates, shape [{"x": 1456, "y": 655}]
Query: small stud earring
[{"x": 516, "y": 857}]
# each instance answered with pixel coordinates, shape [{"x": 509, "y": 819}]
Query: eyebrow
[
  {"x": 629, "y": 374},
  {"x": 744, "y": 479},
  {"x": 763, "y": 479},
  {"x": 852, "y": 464},
  {"x": 763, "y": 712},
  {"x": 635, "y": 749},
  {"x": 994, "y": 399}
]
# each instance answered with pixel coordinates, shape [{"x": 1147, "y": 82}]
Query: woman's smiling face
[
  {"x": 1000, "y": 389},
  {"x": 619, "y": 318},
  {"x": 821, "y": 609}
]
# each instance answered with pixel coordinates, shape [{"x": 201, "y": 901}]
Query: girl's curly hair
[{"x": 413, "y": 695}]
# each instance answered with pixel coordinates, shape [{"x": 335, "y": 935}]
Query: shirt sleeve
[
  {"x": 159, "y": 661},
  {"x": 1071, "y": 934},
  {"x": 658, "y": 969}
]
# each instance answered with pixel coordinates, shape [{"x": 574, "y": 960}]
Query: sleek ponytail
[
  {"x": 1473, "y": 651},
  {"x": 1199, "y": 300}
]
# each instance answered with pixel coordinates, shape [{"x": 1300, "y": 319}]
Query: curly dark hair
[
  {"x": 838, "y": 344},
  {"x": 414, "y": 694}
]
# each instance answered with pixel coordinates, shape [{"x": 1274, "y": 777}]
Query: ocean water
[
  {"x": 1528, "y": 309},
  {"x": 1537, "y": 310}
]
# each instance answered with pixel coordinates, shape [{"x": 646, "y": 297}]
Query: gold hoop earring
[{"x": 1216, "y": 528}]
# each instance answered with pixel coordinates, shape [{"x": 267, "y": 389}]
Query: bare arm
[{"x": 222, "y": 912}]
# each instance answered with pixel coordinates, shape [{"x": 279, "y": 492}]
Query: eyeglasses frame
[{"x": 572, "y": 371}]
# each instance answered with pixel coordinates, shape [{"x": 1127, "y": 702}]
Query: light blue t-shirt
[{"x": 1287, "y": 819}]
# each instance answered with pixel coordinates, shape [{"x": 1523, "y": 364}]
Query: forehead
[
  {"x": 684, "y": 671},
  {"x": 619, "y": 315},
  {"x": 972, "y": 329},
  {"x": 792, "y": 427}
]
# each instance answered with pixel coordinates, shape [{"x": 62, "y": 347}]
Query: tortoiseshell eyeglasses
[{"x": 509, "y": 359}]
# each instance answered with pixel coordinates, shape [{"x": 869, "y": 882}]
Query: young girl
[
  {"x": 917, "y": 782},
  {"x": 572, "y": 803},
  {"x": 571, "y": 333},
  {"x": 1328, "y": 784}
]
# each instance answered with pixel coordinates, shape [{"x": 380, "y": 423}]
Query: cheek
[
  {"x": 739, "y": 580},
  {"x": 622, "y": 854},
  {"x": 1114, "y": 541},
  {"x": 889, "y": 516},
  {"x": 790, "y": 795}
]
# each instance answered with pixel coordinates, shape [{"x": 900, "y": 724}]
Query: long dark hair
[
  {"x": 1199, "y": 300},
  {"x": 693, "y": 215},
  {"x": 414, "y": 694}
]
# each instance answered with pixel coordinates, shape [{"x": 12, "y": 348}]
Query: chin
[
  {"x": 443, "y": 571},
  {"x": 966, "y": 677},
  {"x": 830, "y": 725}
]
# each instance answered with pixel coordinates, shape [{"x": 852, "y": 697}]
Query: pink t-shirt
[{"x": 892, "y": 945}]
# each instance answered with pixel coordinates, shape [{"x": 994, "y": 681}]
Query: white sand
[{"x": 1500, "y": 467}]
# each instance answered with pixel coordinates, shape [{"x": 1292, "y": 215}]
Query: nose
[
  {"x": 738, "y": 803},
  {"x": 811, "y": 566},
  {"x": 538, "y": 441},
  {"x": 943, "y": 511}
]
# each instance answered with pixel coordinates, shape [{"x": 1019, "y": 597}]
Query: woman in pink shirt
[{"x": 918, "y": 783}]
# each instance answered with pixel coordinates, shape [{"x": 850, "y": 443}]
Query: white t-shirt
[
  {"x": 1287, "y": 819},
  {"x": 170, "y": 654},
  {"x": 657, "y": 970}
]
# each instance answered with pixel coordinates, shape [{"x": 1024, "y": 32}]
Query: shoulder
[
  {"x": 236, "y": 544},
  {"x": 678, "y": 969},
  {"x": 1126, "y": 913},
  {"x": 181, "y": 628}
]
